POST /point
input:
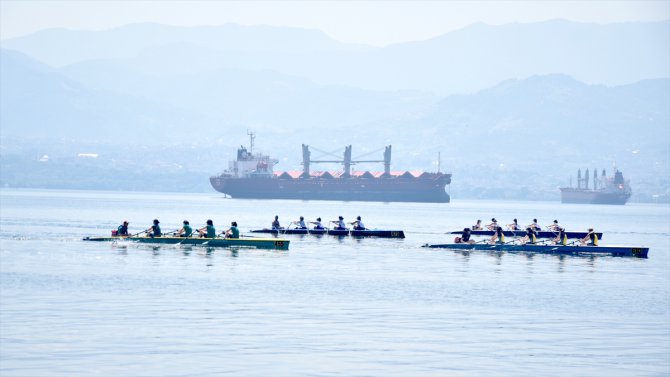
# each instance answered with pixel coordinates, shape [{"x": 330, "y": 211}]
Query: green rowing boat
[{"x": 251, "y": 243}]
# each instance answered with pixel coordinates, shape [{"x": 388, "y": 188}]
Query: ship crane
[{"x": 346, "y": 161}]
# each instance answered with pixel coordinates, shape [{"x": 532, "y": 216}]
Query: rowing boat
[
  {"x": 337, "y": 232},
  {"x": 251, "y": 242},
  {"x": 521, "y": 233},
  {"x": 618, "y": 251}
]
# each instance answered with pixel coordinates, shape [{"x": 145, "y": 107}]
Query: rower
[
  {"x": 493, "y": 225},
  {"x": 591, "y": 239},
  {"x": 122, "y": 230},
  {"x": 530, "y": 237},
  {"x": 534, "y": 225},
  {"x": 186, "y": 230},
  {"x": 340, "y": 223},
  {"x": 317, "y": 223},
  {"x": 477, "y": 226},
  {"x": 154, "y": 230},
  {"x": 465, "y": 236},
  {"x": 562, "y": 238},
  {"x": 300, "y": 223},
  {"x": 358, "y": 224},
  {"x": 275, "y": 224},
  {"x": 233, "y": 232},
  {"x": 513, "y": 226},
  {"x": 554, "y": 227},
  {"x": 498, "y": 236},
  {"x": 208, "y": 231}
]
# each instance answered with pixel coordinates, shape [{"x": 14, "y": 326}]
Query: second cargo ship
[{"x": 252, "y": 176}]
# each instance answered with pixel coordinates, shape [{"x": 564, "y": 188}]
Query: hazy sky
[{"x": 371, "y": 22}]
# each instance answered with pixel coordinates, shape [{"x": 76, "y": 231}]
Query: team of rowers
[
  {"x": 207, "y": 231},
  {"x": 591, "y": 239},
  {"x": 339, "y": 224}
]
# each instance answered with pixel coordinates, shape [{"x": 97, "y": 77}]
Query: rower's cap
[
  {"x": 493, "y": 219},
  {"x": 590, "y": 229},
  {"x": 555, "y": 221},
  {"x": 210, "y": 222},
  {"x": 302, "y": 218},
  {"x": 186, "y": 222},
  {"x": 156, "y": 221},
  {"x": 479, "y": 221},
  {"x": 126, "y": 222},
  {"x": 534, "y": 220},
  {"x": 318, "y": 219},
  {"x": 514, "y": 220},
  {"x": 234, "y": 223},
  {"x": 358, "y": 218},
  {"x": 341, "y": 217}
]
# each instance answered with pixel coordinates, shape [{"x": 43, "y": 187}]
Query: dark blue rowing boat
[
  {"x": 618, "y": 251},
  {"x": 521, "y": 233},
  {"x": 337, "y": 232}
]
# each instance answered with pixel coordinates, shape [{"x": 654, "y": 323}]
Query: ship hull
[
  {"x": 581, "y": 196},
  {"x": 397, "y": 189}
]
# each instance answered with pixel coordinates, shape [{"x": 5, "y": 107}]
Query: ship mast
[{"x": 252, "y": 136}]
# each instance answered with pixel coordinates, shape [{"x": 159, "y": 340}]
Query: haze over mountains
[{"x": 514, "y": 110}]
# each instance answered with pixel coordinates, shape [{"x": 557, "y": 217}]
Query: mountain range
[{"x": 517, "y": 103}]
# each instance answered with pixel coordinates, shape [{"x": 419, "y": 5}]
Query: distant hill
[{"x": 466, "y": 60}]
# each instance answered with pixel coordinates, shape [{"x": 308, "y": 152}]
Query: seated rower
[
  {"x": 534, "y": 225},
  {"x": 562, "y": 238},
  {"x": 493, "y": 225},
  {"x": 477, "y": 226},
  {"x": 554, "y": 227},
  {"x": 275, "y": 224},
  {"x": 340, "y": 224},
  {"x": 530, "y": 237},
  {"x": 358, "y": 224},
  {"x": 465, "y": 236},
  {"x": 498, "y": 237},
  {"x": 317, "y": 223},
  {"x": 591, "y": 239},
  {"x": 513, "y": 226},
  {"x": 186, "y": 230},
  {"x": 208, "y": 231},
  {"x": 122, "y": 230},
  {"x": 300, "y": 224},
  {"x": 154, "y": 230},
  {"x": 233, "y": 232}
]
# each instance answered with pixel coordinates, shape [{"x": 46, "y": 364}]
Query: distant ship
[
  {"x": 615, "y": 190},
  {"x": 251, "y": 176}
]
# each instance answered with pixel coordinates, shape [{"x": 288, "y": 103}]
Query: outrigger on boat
[
  {"x": 247, "y": 242},
  {"x": 618, "y": 251},
  {"x": 336, "y": 232},
  {"x": 521, "y": 233}
]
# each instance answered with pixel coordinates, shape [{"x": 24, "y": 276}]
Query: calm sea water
[{"x": 328, "y": 306}]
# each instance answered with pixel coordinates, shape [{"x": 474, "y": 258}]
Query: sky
[{"x": 377, "y": 23}]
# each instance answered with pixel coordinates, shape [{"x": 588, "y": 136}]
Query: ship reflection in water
[
  {"x": 606, "y": 190},
  {"x": 251, "y": 176}
]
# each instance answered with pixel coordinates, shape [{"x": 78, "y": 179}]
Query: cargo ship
[
  {"x": 252, "y": 176},
  {"x": 606, "y": 190}
]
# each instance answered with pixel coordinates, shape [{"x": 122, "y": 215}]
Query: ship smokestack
[
  {"x": 579, "y": 178},
  {"x": 305, "y": 161},
  {"x": 586, "y": 179},
  {"x": 387, "y": 161},
  {"x": 595, "y": 179}
]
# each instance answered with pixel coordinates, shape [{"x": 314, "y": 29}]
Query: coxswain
[
  {"x": 122, "y": 230},
  {"x": 186, "y": 230},
  {"x": 275, "y": 224},
  {"x": 233, "y": 232},
  {"x": 530, "y": 237},
  {"x": 591, "y": 239},
  {"x": 493, "y": 225},
  {"x": 208, "y": 231},
  {"x": 358, "y": 224},
  {"x": 317, "y": 223},
  {"x": 513, "y": 226},
  {"x": 340, "y": 223},
  {"x": 498, "y": 236},
  {"x": 562, "y": 238},
  {"x": 465, "y": 236},
  {"x": 477, "y": 226},
  {"x": 154, "y": 230}
]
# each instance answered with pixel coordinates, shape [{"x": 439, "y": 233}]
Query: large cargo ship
[
  {"x": 606, "y": 190},
  {"x": 252, "y": 176}
]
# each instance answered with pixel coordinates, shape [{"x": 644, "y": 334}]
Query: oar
[{"x": 137, "y": 234}]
